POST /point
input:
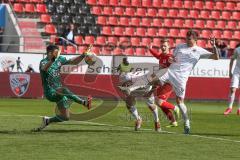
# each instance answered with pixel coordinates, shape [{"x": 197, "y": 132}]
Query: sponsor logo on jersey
[{"x": 19, "y": 83}]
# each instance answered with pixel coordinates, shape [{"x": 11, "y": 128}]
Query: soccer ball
[{"x": 90, "y": 58}]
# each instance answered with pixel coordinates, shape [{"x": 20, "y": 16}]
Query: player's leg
[
  {"x": 66, "y": 92},
  {"x": 130, "y": 104},
  {"x": 238, "y": 110},
  {"x": 154, "y": 110}
]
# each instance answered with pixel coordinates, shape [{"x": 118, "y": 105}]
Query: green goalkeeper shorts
[{"x": 61, "y": 100}]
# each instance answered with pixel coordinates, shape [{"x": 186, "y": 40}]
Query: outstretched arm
[
  {"x": 153, "y": 52},
  {"x": 215, "y": 54},
  {"x": 78, "y": 59}
]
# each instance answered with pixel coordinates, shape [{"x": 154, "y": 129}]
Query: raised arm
[
  {"x": 78, "y": 59},
  {"x": 154, "y": 53},
  {"x": 215, "y": 54}
]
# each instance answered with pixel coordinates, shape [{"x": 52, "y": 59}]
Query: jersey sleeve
[
  {"x": 204, "y": 53},
  {"x": 63, "y": 60},
  {"x": 42, "y": 64},
  {"x": 155, "y": 53}
]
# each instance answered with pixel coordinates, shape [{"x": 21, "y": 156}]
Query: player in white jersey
[{"x": 235, "y": 83}]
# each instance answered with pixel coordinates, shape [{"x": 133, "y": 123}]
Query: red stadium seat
[
  {"x": 124, "y": 40},
  {"x": 236, "y": 34},
  {"x": 156, "y": 3},
  {"x": 113, "y": 2},
  {"x": 82, "y": 49},
  {"x": 130, "y": 11},
  {"x": 96, "y": 50},
  {"x": 96, "y": 10},
  {"x": 146, "y": 41},
  {"x": 129, "y": 31},
  {"x": 136, "y": 3},
  {"x": 101, "y": 40},
  {"x": 230, "y": 6},
  {"x": 232, "y": 24},
  {"x": 193, "y": 13},
  {"x": 233, "y": 44},
  {"x": 204, "y": 14},
  {"x": 227, "y": 34},
  {"x": 168, "y": 22},
  {"x": 202, "y": 43},
  {"x": 140, "y": 51},
  {"x": 236, "y": 15},
  {"x": 18, "y": 7},
  {"x": 92, "y": 2},
  {"x": 71, "y": 50},
  {"x": 167, "y": 3},
  {"x": 135, "y": 21},
  {"x": 216, "y": 33},
  {"x": 220, "y": 24},
  {"x": 112, "y": 20},
  {"x": 173, "y": 13},
  {"x": 215, "y": 14},
  {"x": 61, "y": 48},
  {"x": 199, "y": 24},
  {"x": 157, "y": 22},
  {"x": 45, "y": 18},
  {"x": 113, "y": 40},
  {"x": 118, "y": 51},
  {"x": 209, "y": 5},
  {"x": 124, "y": 21},
  {"x": 198, "y": 4},
  {"x": 152, "y": 12},
  {"x": 102, "y": 2},
  {"x": 188, "y": 23},
  {"x": 140, "y": 32},
  {"x": 162, "y": 13},
  {"x": 226, "y": 15},
  {"x": 146, "y": 3},
  {"x": 183, "y": 13},
  {"x": 152, "y": 32},
  {"x": 156, "y": 42},
  {"x": 141, "y": 12},
  {"x": 41, "y": 8},
  {"x": 50, "y": 29},
  {"x": 178, "y": 23},
  {"x": 173, "y": 32},
  {"x": 89, "y": 40},
  {"x": 162, "y": 32},
  {"x": 183, "y": 32},
  {"x": 125, "y": 2},
  {"x": 219, "y": 5},
  {"x": 188, "y": 4},
  {"x": 178, "y": 41},
  {"x": 135, "y": 41},
  {"x": 78, "y": 40},
  {"x": 102, "y": 20},
  {"x": 119, "y": 11},
  {"x": 210, "y": 24},
  {"x": 106, "y": 30},
  {"x": 29, "y": 8},
  {"x": 146, "y": 22},
  {"x": 177, "y": 4},
  {"x": 206, "y": 33},
  {"x": 107, "y": 11},
  {"x": 129, "y": 51},
  {"x": 118, "y": 31}
]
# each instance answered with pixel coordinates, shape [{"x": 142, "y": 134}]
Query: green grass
[{"x": 218, "y": 137}]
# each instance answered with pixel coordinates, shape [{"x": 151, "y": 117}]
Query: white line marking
[{"x": 125, "y": 127}]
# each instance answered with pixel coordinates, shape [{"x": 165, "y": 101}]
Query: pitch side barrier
[{"x": 208, "y": 81}]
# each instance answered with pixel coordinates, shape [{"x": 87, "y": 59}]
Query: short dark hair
[
  {"x": 51, "y": 48},
  {"x": 192, "y": 33}
]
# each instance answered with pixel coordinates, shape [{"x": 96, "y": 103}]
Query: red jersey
[{"x": 163, "y": 58}]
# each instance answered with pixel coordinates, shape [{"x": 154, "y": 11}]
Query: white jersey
[
  {"x": 179, "y": 71},
  {"x": 236, "y": 55}
]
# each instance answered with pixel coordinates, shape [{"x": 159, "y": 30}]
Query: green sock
[{"x": 57, "y": 118}]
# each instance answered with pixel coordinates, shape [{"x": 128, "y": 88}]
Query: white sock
[
  {"x": 183, "y": 110},
  {"x": 155, "y": 114},
  {"x": 231, "y": 100},
  {"x": 134, "y": 112}
]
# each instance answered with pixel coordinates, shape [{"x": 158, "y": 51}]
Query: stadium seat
[
  {"x": 107, "y": 11},
  {"x": 209, "y": 5},
  {"x": 162, "y": 32},
  {"x": 178, "y": 41},
  {"x": 92, "y": 2},
  {"x": 215, "y": 14},
  {"x": 71, "y": 50},
  {"x": 53, "y": 39},
  {"x": 168, "y": 22},
  {"x": 156, "y": 42},
  {"x": 230, "y": 6},
  {"x": 125, "y": 2},
  {"x": 236, "y": 34},
  {"x": 73, "y": 10},
  {"x": 152, "y": 32},
  {"x": 113, "y": 2},
  {"x": 157, "y": 22},
  {"x": 156, "y": 3},
  {"x": 129, "y": 31},
  {"x": 146, "y": 3},
  {"x": 112, "y": 40},
  {"x": 18, "y": 7},
  {"x": 61, "y": 48},
  {"x": 173, "y": 32},
  {"x": 106, "y": 30},
  {"x": 29, "y": 8},
  {"x": 188, "y": 23},
  {"x": 233, "y": 44},
  {"x": 177, "y": 4},
  {"x": 106, "y": 50},
  {"x": 202, "y": 43},
  {"x": 210, "y": 24},
  {"x": 183, "y": 13},
  {"x": 204, "y": 14},
  {"x": 124, "y": 40},
  {"x": 102, "y": 2},
  {"x": 227, "y": 34},
  {"x": 172, "y": 13},
  {"x": 124, "y": 21},
  {"x": 205, "y": 34},
  {"x": 78, "y": 40},
  {"x": 136, "y": 3},
  {"x": 45, "y": 18},
  {"x": 145, "y": 41},
  {"x": 232, "y": 24},
  {"x": 140, "y": 32},
  {"x": 135, "y": 41},
  {"x": 130, "y": 11},
  {"x": 146, "y": 22},
  {"x": 96, "y": 10},
  {"x": 129, "y": 51},
  {"x": 167, "y": 3},
  {"x": 102, "y": 20},
  {"x": 51, "y": 8},
  {"x": 140, "y": 12},
  {"x": 118, "y": 51},
  {"x": 219, "y": 5},
  {"x": 101, "y": 40},
  {"x": 50, "y": 29},
  {"x": 152, "y": 12},
  {"x": 78, "y": 19},
  {"x": 119, "y": 11},
  {"x": 226, "y": 15},
  {"x": 193, "y": 13},
  {"x": 188, "y": 4},
  {"x": 235, "y": 15},
  {"x": 140, "y": 51},
  {"x": 94, "y": 30},
  {"x": 220, "y": 24},
  {"x": 66, "y": 19},
  {"x": 217, "y": 33},
  {"x": 41, "y": 8},
  {"x": 84, "y": 9},
  {"x": 89, "y": 20},
  {"x": 118, "y": 31},
  {"x": 198, "y": 4},
  {"x": 82, "y": 49},
  {"x": 135, "y": 21},
  {"x": 183, "y": 32},
  {"x": 199, "y": 23},
  {"x": 178, "y": 23},
  {"x": 112, "y": 20},
  {"x": 96, "y": 50},
  {"x": 89, "y": 40},
  {"x": 61, "y": 29},
  {"x": 162, "y": 13}
]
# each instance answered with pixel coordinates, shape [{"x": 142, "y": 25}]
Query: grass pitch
[{"x": 213, "y": 136}]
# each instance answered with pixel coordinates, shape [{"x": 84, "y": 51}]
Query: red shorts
[{"x": 163, "y": 92}]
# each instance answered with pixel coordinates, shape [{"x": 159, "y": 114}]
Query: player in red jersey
[{"x": 163, "y": 92}]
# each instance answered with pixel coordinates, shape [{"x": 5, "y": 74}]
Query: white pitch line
[{"x": 144, "y": 129}]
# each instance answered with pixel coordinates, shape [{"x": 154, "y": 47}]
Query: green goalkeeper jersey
[{"x": 51, "y": 80}]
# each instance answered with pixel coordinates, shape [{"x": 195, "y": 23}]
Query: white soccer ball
[{"x": 90, "y": 58}]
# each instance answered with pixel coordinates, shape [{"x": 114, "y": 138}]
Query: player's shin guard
[
  {"x": 231, "y": 100},
  {"x": 133, "y": 110},
  {"x": 183, "y": 110}
]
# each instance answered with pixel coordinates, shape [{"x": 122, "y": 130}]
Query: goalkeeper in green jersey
[{"x": 54, "y": 91}]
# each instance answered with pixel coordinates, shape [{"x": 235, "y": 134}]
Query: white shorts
[
  {"x": 131, "y": 76},
  {"x": 179, "y": 86},
  {"x": 235, "y": 81}
]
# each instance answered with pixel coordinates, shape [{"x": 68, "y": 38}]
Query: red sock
[
  {"x": 169, "y": 114},
  {"x": 167, "y": 105}
]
